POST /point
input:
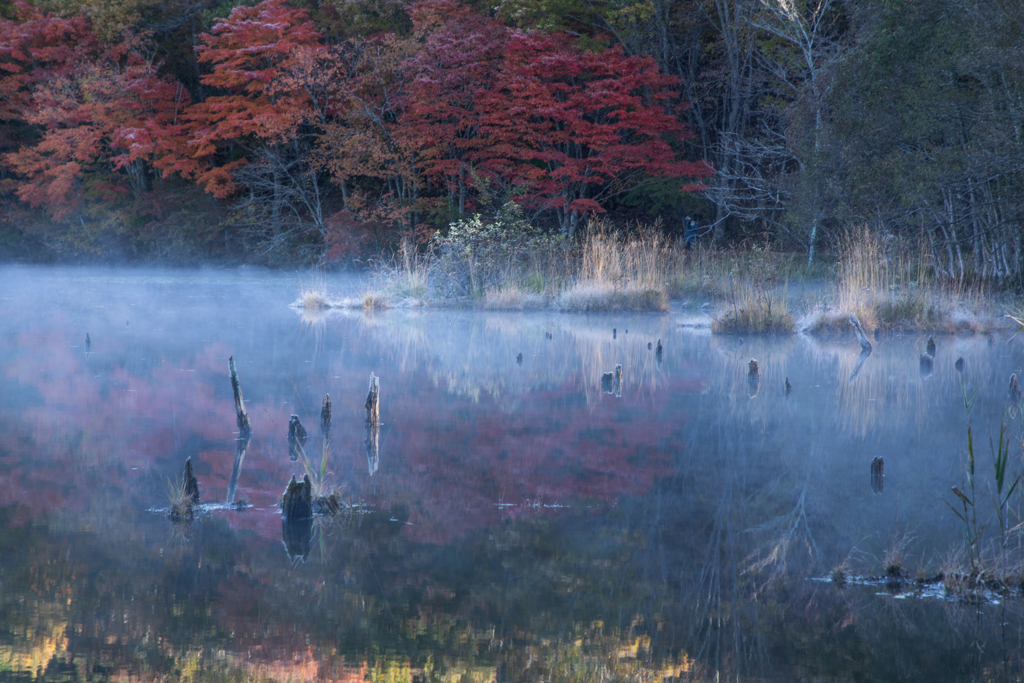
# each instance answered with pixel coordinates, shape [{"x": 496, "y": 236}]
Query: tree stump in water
[
  {"x": 618, "y": 381},
  {"x": 297, "y": 500},
  {"x": 325, "y": 417},
  {"x": 189, "y": 483},
  {"x": 373, "y": 402},
  {"x": 88, "y": 343},
  {"x": 296, "y": 438},
  {"x": 608, "y": 383},
  {"x": 519, "y": 359},
  {"x": 297, "y": 518},
  {"x": 877, "y": 475},
  {"x": 753, "y": 378},
  {"x": 658, "y": 352},
  {"x": 241, "y": 417},
  {"x": 789, "y": 388},
  {"x": 959, "y": 365},
  {"x": 241, "y": 446},
  {"x": 930, "y": 347}
]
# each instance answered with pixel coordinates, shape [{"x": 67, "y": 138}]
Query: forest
[{"x": 327, "y": 131}]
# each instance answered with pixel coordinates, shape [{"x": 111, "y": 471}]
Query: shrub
[{"x": 477, "y": 256}]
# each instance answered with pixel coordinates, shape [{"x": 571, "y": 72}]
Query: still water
[{"x": 514, "y": 522}]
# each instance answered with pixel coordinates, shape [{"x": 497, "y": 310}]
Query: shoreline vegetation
[{"x": 509, "y": 265}]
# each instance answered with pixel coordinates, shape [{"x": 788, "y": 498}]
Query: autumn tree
[
  {"x": 457, "y": 63},
  {"x": 97, "y": 112},
  {"x": 573, "y": 129}
]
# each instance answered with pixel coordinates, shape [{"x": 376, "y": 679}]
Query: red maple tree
[
  {"x": 246, "y": 53},
  {"x": 573, "y": 128}
]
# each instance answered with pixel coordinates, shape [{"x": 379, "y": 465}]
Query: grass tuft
[{"x": 182, "y": 507}]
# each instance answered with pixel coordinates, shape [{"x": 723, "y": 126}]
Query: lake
[{"x": 511, "y": 521}]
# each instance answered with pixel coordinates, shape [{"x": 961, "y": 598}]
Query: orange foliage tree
[{"x": 92, "y": 109}]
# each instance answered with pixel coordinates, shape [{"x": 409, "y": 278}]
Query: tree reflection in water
[{"x": 522, "y": 526}]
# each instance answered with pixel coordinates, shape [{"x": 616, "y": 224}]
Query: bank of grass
[
  {"x": 754, "y": 307},
  {"x": 886, "y": 283}
]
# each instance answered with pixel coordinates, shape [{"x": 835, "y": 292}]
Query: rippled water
[{"x": 515, "y": 522}]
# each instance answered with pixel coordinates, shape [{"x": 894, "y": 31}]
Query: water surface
[{"x": 516, "y": 522}]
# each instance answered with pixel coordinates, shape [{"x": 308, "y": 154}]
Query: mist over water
[{"x": 520, "y": 522}]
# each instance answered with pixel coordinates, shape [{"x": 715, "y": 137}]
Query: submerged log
[
  {"x": 753, "y": 378},
  {"x": 189, "y": 483},
  {"x": 241, "y": 417},
  {"x": 859, "y": 331},
  {"x": 877, "y": 474},
  {"x": 325, "y": 417},
  {"x": 930, "y": 348},
  {"x": 296, "y": 438},
  {"x": 373, "y": 402}
]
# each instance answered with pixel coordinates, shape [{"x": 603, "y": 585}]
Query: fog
[{"x": 698, "y": 492}]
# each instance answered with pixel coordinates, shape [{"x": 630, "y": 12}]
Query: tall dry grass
[
  {"x": 886, "y": 282},
  {"x": 756, "y": 300},
  {"x": 620, "y": 271}
]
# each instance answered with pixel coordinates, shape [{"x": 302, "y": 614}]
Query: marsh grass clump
[
  {"x": 182, "y": 504},
  {"x": 887, "y": 284},
  {"x": 313, "y": 294},
  {"x": 326, "y": 498},
  {"x": 840, "y": 573},
  {"x": 756, "y": 301}
]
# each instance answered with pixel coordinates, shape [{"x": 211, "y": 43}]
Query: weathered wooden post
[
  {"x": 189, "y": 483},
  {"x": 753, "y": 378},
  {"x": 373, "y": 402},
  {"x": 325, "y": 417},
  {"x": 296, "y": 438},
  {"x": 877, "y": 474},
  {"x": 88, "y": 343},
  {"x": 241, "y": 446},
  {"x": 244, "y": 428},
  {"x": 618, "y": 381}
]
